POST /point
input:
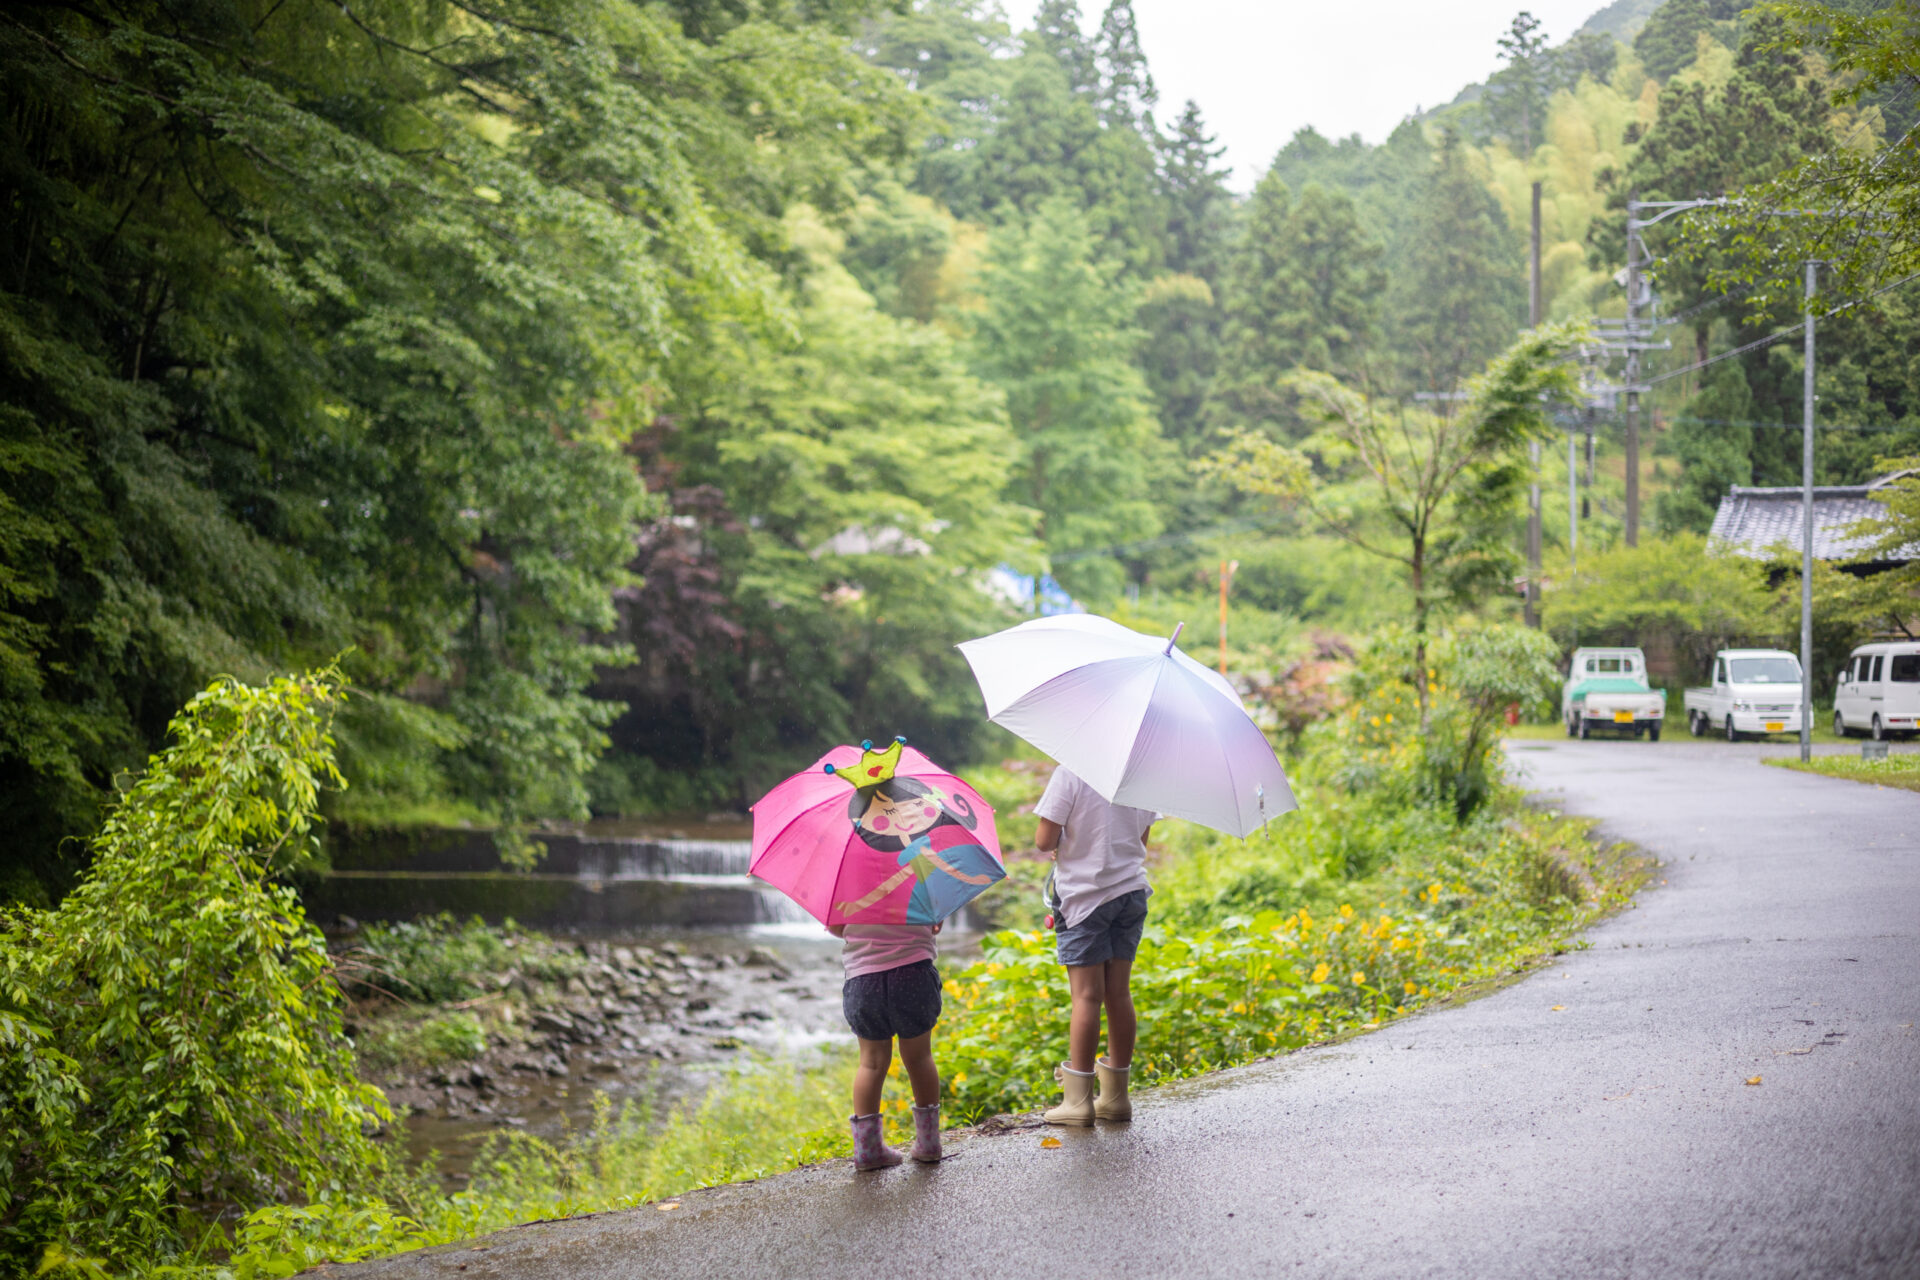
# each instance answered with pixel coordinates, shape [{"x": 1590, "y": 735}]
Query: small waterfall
[{"x": 587, "y": 879}]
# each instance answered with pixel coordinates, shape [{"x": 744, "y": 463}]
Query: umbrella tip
[
  {"x": 831, "y": 769},
  {"x": 1177, "y": 628},
  {"x": 902, "y": 741},
  {"x": 866, "y": 744}
]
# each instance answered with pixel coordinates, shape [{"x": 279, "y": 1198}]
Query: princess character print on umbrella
[{"x": 930, "y": 835}]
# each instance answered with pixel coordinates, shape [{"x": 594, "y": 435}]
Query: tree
[
  {"x": 1460, "y": 292},
  {"x": 1671, "y": 38},
  {"x": 1432, "y": 493},
  {"x": 1517, "y": 94},
  {"x": 842, "y": 486},
  {"x": 1198, "y": 203},
  {"x": 1126, "y": 95},
  {"x": 322, "y": 328},
  {"x": 1057, "y": 34},
  {"x": 170, "y": 1034},
  {"x": 1711, "y": 143},
  {"x": 1179, "y": 348},
  {"x": 1713, "y": 441},
  {"x": 1300, "y": 292},
  {"x": 1871, "y": 54},
  {"x": 1056, "y": 336}
]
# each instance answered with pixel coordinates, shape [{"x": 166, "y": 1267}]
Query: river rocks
[
  {"x": 633, "y": 1018},
  {"x": 548, "y": 1021}
]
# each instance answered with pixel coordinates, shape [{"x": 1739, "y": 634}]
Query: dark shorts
[
  {"x": 1111, "y": 931},
  {"x": 902, "y": 1002}
]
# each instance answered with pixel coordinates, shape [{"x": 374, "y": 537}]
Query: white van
[{"x": 1878, "y": 692}]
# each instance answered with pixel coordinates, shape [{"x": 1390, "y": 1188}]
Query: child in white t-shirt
[{"x": 1100, "y": 877}]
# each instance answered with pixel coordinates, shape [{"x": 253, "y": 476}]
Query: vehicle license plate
[
  {"x": 1775, "y": 726},
  {"x": 1623, "y": 717}
]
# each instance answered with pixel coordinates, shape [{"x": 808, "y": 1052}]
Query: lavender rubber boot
[
  {"x": 870, "y": 1149},
  {"x": 926, "y": 1134}
]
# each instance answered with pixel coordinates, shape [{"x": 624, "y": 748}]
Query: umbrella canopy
[
  {"x": 876, "y": 837},
  {"x": 1139, "y": 721}
]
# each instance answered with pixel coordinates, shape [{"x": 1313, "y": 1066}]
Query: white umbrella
[{"x": 1139, "y": 721}]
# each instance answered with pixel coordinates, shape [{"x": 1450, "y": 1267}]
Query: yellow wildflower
[
  {"x": 1346, "y": 911},
  {"x": 1374, "y": 721},
  {"x": 1359, "y": 977},
  {"x": 1411, "y": 988},
  {"x": 1320, "y": 972}
]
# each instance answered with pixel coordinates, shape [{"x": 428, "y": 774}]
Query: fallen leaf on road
[
  {"x": 1753, "y": 1079},
  {"x": 671, "y": 1204},
  {"x": 1557, "y": 1008},
  {"x": 1049, "y": 1143}
]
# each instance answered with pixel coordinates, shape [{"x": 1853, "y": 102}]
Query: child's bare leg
[
  {"x": 1120, "y": 1019},
  {"x": 1087, "y": 985},
  {"x": 916, "y": 1055},
  {"x": 871, "y": 1075}
]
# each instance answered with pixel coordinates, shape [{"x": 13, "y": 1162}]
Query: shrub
[
  {"x": 439, "y": 959},
  {"x": 170, "y": 1036}
]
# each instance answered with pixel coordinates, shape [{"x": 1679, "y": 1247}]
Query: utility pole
[
  {"x": 1806, "y": 530},
  {"x": 1532, "y": 609},
  {"x": 1633, "y": 372}
]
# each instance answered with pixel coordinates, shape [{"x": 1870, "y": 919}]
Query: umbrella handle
[{"x": 1168, "y": 651}]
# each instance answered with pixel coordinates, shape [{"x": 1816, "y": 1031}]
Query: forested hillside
[{"x": 637, "y": 395}]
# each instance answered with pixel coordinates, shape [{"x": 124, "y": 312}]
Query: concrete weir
[{"x": 589, "y": 879}]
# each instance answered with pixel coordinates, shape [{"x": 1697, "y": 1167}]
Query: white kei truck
[
  {"x": 1607, "y": 690},
  {"x": 1754, "y": 692},
  {"x": 1878, "y": 692}
]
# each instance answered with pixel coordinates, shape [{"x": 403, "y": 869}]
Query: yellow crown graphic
[{"x": 873, "y": 767}]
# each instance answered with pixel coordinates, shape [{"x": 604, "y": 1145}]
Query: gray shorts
[{"x": 1111, "y": 931}]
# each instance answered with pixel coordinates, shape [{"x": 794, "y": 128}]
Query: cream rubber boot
[
  {"x": 926, "y": 1134},
  {"x": 1114, "y": 1103},
  {"x": 870, "y": 1149},
  {"x": 1076, "y": 1107}
]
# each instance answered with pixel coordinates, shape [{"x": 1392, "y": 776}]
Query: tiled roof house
[{"x": 1755, "y": 522}]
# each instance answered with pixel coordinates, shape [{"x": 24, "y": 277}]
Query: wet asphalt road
[{"x": 1613, "y": 1137}]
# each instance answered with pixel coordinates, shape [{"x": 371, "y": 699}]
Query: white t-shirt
[{"x": 1102, "y": 853}]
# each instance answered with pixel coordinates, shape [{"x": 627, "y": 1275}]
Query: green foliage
[
  {"x": 1473, "y": 677},
  {"x": 766, "y": 1116},
  {"x": 846, "y": 486},
  {"x": 1870, "y": 56},
  {"x": 1685, "y": 593},
  {"x": 1890, "y": 771},
  {"x": 1673, "y": 588},
  {"x": 1445, "y": 906},
  {"x": 1460, "y": 295},
  {"x": 324, "y": 327},
  {"x": 1054, "y": 335},
  {"x": 1300, "y": 293},
  {"x": 1714, "y": 445},
  {"x": 1429, "y": 492},
  {"x": 1671, "y": 38},
  {"x": 169, "y": 1035},
  {"x": 440, "y": 959},
  {"x": 435, "y": 1039}
]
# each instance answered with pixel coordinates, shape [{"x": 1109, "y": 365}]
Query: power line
[
  {"x": 1778, "y": 334},
  {"x": 1793, "y": 426}
]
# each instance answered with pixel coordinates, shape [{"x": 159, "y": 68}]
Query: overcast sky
[{"x": 1261, "y": 69}]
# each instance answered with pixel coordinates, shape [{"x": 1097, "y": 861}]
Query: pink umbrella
[{"x": 876, "y": 837}]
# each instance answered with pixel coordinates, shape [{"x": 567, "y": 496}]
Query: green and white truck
[{"x": 1607, "y": 692}]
